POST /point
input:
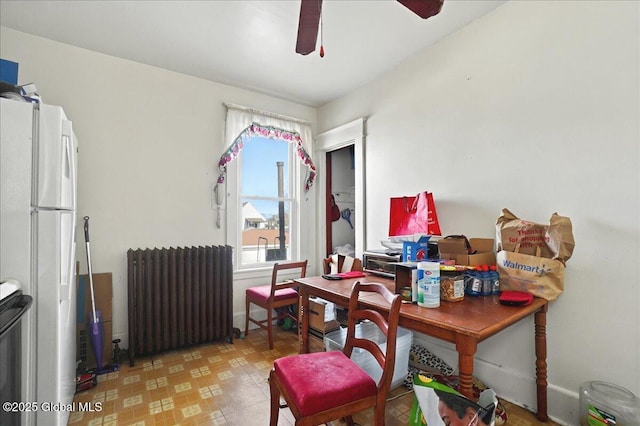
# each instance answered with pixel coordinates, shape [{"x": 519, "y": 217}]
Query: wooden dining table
[{"x": 464, "y": 323}]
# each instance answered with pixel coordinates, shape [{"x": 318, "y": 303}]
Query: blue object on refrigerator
[{"x": 9, "y": 71}]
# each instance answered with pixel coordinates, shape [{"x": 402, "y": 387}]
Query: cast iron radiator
[{"x": 179, "y": 297}]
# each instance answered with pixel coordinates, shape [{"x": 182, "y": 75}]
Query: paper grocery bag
[
  {"x": 540, "y": 276},
  {"x": 554, "y": 241}
]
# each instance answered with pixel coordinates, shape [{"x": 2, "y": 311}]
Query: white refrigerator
[{"x": 37, "y": 248}]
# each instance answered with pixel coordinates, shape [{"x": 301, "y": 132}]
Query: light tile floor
[{"x": 215, "y": 384}]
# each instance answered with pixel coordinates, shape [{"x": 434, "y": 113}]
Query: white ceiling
[{"x": 248, "y": 44}]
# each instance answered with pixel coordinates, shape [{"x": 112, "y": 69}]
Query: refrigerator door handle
[
  {"x": 66, "y": 161},
  {"x": 70, "y": 163}
]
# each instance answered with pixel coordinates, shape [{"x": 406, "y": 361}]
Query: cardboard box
[
  {"x": 456, "y": 249},
  {"x": 415, "y": 251},
  {"x": 316, "y": 341},
  {"x": 103, "y": 296},
  {"x": 322, "y": 315},
  {"x": 322, "y": 319}
]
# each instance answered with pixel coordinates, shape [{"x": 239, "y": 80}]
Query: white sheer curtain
[
  {"x": 239, "y": 119},
  {"x": 241, "y": 125}
]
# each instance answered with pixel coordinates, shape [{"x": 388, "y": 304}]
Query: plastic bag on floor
[{"x": 437, "y": 404}]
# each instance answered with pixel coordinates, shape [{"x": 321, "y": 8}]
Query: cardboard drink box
[
  {"x": 456, "y": 249},
  {"x": 416, "y": 250}
]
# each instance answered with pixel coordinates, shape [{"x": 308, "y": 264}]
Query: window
[
  {"x": 266, "y": 174},
  {"x": 267, "y": 207}
]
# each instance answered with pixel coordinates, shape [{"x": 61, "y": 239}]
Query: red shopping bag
[{"x": 413, "y": 215}]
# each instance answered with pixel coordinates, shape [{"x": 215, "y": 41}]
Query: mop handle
[{"x": 86, "y": 239}]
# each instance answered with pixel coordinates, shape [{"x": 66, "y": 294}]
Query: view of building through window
[{"x": 265, "y": 198}]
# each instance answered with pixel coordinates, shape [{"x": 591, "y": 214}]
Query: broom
[{"x": 96, "y": 326}]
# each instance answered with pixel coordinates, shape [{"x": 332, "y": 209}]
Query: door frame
[{"x": 348, "y": 134}]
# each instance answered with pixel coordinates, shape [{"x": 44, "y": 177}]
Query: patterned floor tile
[
  {"x": 216, "y": 384},
  {"x": 131, "y": 401},
  {"x": 182, "y": 387}
]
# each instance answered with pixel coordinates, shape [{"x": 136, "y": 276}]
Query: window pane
[
  {"x": 265, "y": 203},
  {"x": 260, "y": 159},
  {"x": 265, "y": 230}
]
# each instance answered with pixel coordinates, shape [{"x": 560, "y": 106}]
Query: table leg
[
  {"x": 303, "y": 318},
  {"x": 541, "y": 362},
  {"x": 466, "y": 347}
]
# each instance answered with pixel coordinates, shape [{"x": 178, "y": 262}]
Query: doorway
[
  {"x": 349, "y": 137},
  {"x": 341, "y": 192}
]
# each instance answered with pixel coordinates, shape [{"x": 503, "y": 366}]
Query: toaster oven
[{"x": 381, "y": 262}]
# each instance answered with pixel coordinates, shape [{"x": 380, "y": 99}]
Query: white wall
[
  {"x": 149, "y": 144},
  {"x": 534, "y": 107}
]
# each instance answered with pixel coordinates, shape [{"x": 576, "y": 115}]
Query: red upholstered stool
[{"x": 324, "y": 386}]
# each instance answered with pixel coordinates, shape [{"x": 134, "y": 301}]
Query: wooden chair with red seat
[
  {"x": 323, "y": 386},
  {"x": 280, "y": 293},
  {"x": 336, "y": 263}
]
